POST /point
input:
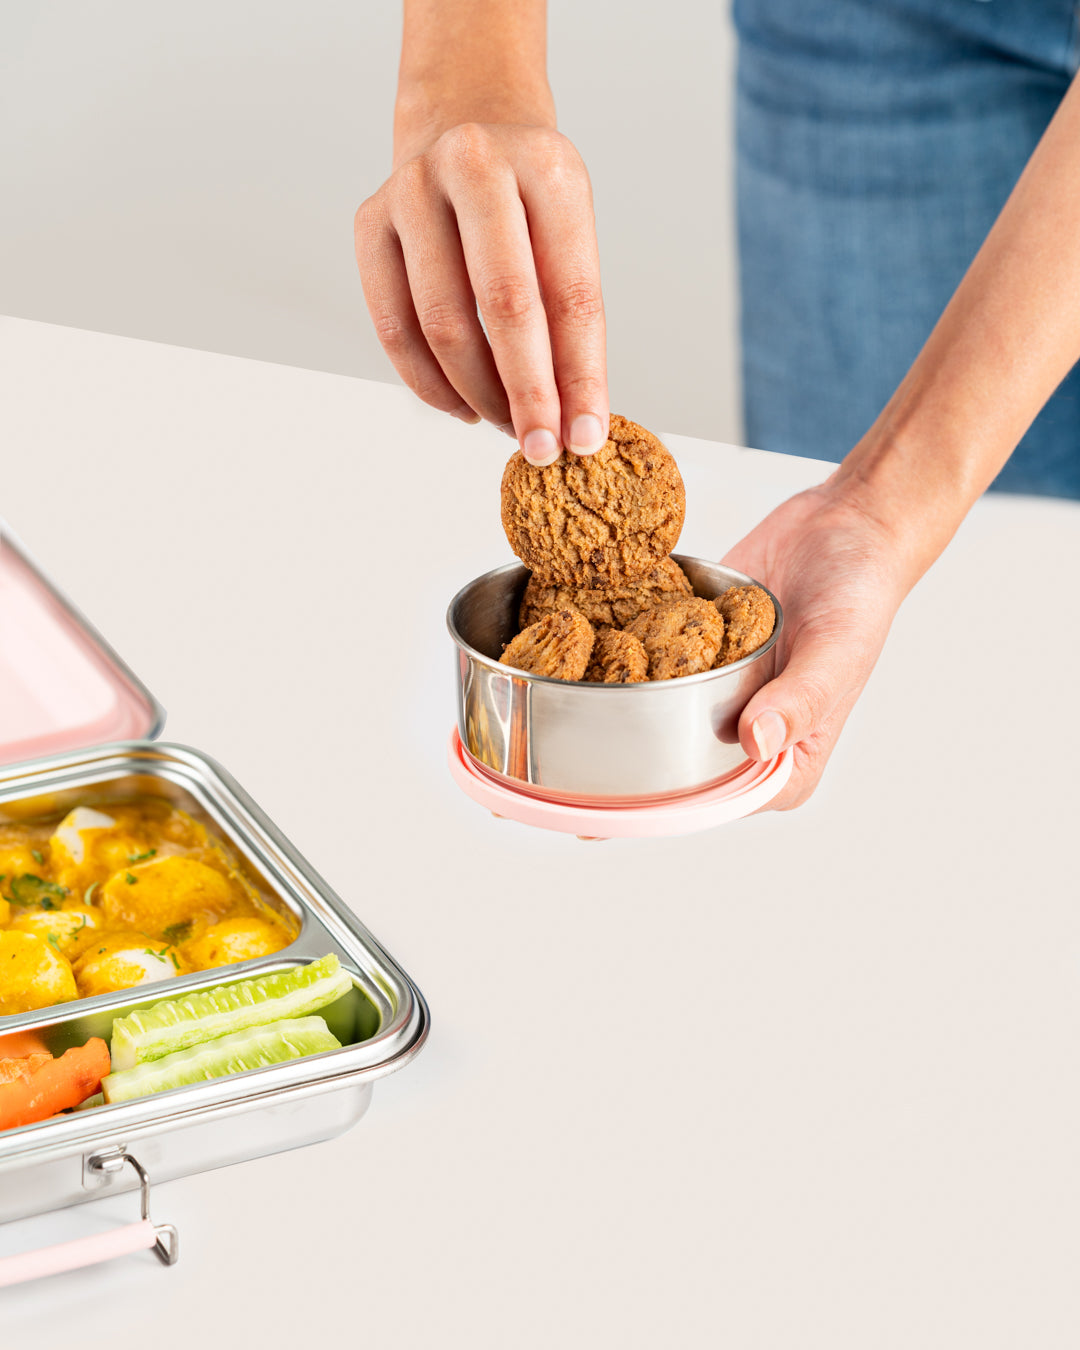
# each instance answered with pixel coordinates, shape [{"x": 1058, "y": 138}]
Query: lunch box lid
[{"x": 62, "y": 687}]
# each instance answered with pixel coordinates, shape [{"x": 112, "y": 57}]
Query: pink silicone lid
[
  {"x": 731, "y": 800},
  {"x": 61, "y": 686}
]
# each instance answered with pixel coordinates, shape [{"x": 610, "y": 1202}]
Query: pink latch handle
[{"x": 87, "y": 1251}]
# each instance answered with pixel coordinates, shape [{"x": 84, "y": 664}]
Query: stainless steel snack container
[
  {"x": 381, "y": 1024},
  {"x": 612, "y": 743}
]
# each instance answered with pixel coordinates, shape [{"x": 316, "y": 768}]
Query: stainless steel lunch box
[
  {"x": 382, "y": 1023},
  {"x": 621, "y": 743},
  {"x": 62, "y": 687}
]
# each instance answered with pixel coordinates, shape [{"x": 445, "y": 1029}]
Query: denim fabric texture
[{"x": 877, "y": 140}]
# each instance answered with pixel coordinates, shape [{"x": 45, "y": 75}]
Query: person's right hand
[{"x": 496, "y": 219}]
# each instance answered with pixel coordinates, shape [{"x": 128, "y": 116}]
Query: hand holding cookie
[{"x": 480, "y": 269}]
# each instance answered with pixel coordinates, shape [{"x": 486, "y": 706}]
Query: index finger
[
  {"x": 558, "y": 203},
  {"x": 498, "y": 253}
]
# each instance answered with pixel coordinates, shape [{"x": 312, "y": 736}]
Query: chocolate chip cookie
[
  {"x": 749, "y": 618},
  {"x": 596, "y": 520},
  {"x": 615, "y": 606},
  {"x": 558, "y": 645},
  {"x": 617, "y": 658},
  {"x": 681, "y": 637}
]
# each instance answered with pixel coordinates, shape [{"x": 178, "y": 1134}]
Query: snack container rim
[
  {"x": 637, "y": 689},
  {"x": 326, "y": 920}
]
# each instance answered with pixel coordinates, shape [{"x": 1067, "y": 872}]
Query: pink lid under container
[
  {"x": 737, "y": 796},
  {"x": 62, "y": 687}
]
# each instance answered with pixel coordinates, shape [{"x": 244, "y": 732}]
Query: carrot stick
[
  {"x": 55, "y": 1086},
  {"x": 20, "y": 1043}
]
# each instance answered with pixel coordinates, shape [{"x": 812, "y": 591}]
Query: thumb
[{"x": 819, "y": 682}]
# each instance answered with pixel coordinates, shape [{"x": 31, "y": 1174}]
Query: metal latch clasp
[{"x": 167, "y": 1241}]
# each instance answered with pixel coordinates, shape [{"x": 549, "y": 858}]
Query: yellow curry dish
[{"x": 119, "y": 895}]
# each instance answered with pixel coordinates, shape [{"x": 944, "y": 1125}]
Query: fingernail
[
  {"x": 587, "y": 434},
  {"x": 770, "y": 731},
  {"x": 540, "y": 448},
  {"x": 508, "y": 428},
  {"x": 466, "y": 414}
]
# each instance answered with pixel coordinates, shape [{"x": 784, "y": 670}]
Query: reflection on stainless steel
[
  {"x": 382, "y": 1021},
  {"x": 581, "y": 741}
]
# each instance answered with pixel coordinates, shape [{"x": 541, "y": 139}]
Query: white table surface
[{"x": 806, "y": 1081}]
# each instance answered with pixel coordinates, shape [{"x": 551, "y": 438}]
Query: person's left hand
[{"x": 840, "y": 579}]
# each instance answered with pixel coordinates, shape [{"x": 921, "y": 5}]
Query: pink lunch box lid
[{"x": 62, "y": 687}]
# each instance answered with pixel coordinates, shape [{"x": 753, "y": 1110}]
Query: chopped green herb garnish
[
  {"x": 37, "y": 856},
  {"x": 172, "y": 958},
  {"x": 131, "y": 880},
  {"x": 141, "y": 857},
  {"x": 54, "y": 941},
  {"x": 31, "y": 890},
  {"x": 177, "y": 932},
  {"x": 89, "y": 892}
]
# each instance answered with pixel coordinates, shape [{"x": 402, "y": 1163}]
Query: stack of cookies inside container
[{"x": 606, "y": 603}]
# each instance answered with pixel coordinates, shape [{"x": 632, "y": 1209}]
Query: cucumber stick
[
  {"x": 179, "y": 1023},
  {"x": 254, "y": 1048}
]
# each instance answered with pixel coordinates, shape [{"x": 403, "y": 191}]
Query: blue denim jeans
[{"x": 877, "y": 142}]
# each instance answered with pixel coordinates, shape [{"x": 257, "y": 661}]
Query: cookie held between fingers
[
  {"x": 617, "y": 658},
  {"x": 603, "y": 519},
  {"x": 558, "y": 645},
  {"x": 749, "y": 618},
  {"x": 615, "y": 606},
  {"x": 681, "y": 637}
]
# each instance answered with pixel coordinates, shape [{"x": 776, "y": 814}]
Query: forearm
[
  {"x": 470, "y": 61},
  {"x": 1006, "y": 340}
]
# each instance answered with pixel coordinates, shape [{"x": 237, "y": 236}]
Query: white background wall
[{"x": 188, "y": 173}]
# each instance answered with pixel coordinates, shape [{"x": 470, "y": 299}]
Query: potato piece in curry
[
  {"x": 32, "y": 974},
  {"x": 169, "y": 897},
  {"x": 69, "y": 930},
  {"x": 232, "y": 940},
  {"x": 124, "y": 960}
]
